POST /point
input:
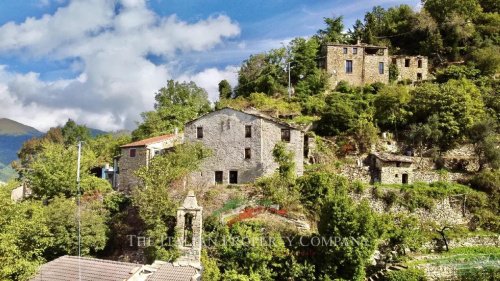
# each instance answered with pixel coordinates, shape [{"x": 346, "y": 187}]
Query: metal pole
[
  {"x": 79, "y": 211},
  {"x": 289, "y": 84}
]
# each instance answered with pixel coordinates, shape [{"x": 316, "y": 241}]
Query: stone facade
[
  {"x": 189, "y": 229},
  {"x": 414, "y": 68},
  {"x": 357, "y": 64},
  {"x": 138, "y": 154},
  {"x": 392, "y": 169},
  {"x": 241, "y": 144}
]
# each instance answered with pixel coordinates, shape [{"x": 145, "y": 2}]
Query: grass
[
  {"x": 466, "y": 257},
  {"x": 231, "y": 204}
]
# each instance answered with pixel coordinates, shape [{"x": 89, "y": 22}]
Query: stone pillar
[{"x": 189, "y": 229}]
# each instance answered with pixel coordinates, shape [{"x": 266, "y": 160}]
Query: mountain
[{"x": 12, "y": 136}]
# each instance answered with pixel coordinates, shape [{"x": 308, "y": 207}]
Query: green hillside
[{"x": 13, "y": 128}]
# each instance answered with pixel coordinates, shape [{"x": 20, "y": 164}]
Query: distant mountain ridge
[{"x": 10, "y": 127}]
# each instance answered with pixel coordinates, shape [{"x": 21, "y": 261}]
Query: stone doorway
[
  {"x": 405, "y": 179},
  {"x": 233, "y": 177}
]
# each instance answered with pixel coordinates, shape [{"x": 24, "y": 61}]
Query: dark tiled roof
[
  {"x": 387, "y": 157},
  {"x": 362, "y": 45},
  {"x": 145, "y": 142},
  {"x": 173, "y": 272},
  {"x": 66, "y": 268}
]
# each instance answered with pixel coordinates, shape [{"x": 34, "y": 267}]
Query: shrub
[
  {"x": 390, "y": 198},
  {"x": 405, "y": 275}
]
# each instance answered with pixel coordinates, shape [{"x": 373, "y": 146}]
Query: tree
[
  {"x": 334, "y": 31},
  {"x": 390, "y": 107},
  {"x": 176, "y": 104},
  {"x": 53, "y": 172},
  {"x": 484, "y": 135},
  {"x": 285, "y": 160},
  {"x": 365, "y": 134},
  {"x": 356, "y": 226},
  {"x": 225, "y": 90},
  {"x": 152, "y": 199},
  {"x": 73, "y": 133},
  {"x": 487, "y": 60}
]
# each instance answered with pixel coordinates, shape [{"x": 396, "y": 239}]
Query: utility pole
[
  {"x": 289, "y": 83},
  {"x": 79, "y": 210}
]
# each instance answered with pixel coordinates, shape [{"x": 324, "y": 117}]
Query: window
[
  {"x": 248, "y": 153},
  {"x": 419, "y": 63},
  {"x": 132, "y": 152},
  {"x": 248, "y": 131},
  {"x": 345, "y": 50},
  {"x": 233, "y": 177},
  {"x": 381, "y": 68},
  {"x": 219, "y": 177},
  {"x": 407, "y": 62},
  {"x": 188, "y": 229},
  {"x": 354, "y": 51},
  {"x": 398, "y": 164},
  {"x": 348, "y": 66},
  {"x": 285, "y": 135},
  {"x": 199, "y": 132},
  {"x": 394, "y": 61},
  {"x": 419, "y": 76}
]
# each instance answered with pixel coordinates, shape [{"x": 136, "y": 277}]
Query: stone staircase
[{"x": 381, "y": 273}]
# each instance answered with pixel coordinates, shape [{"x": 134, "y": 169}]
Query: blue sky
[{"x": 100, "y": 61}]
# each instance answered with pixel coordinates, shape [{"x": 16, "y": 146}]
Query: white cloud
[
  {"x": 110, "y": 45},
  {"x": 209, "y": 79}
]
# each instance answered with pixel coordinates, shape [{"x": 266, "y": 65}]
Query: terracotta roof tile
[
  {"x": 172, "y": 272},
  {"x": 66, "y": 268},
  {"x": 149, "y": 141}
]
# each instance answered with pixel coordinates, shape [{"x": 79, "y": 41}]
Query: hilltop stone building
[
  {"x": 138, "y": 154},
  {"x": 414, "y": 68},
  {"x": 242, "y": 143},
  {"x": 361, "y": 64},
  {"x": 356, "y": 64},
  {"x": 186, "y": 268}
]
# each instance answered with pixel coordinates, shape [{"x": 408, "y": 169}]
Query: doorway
[
  {"x": 405, "y": 179},
  {"x": 233, "y": 177},
  {"x": 219, "y": 176}
]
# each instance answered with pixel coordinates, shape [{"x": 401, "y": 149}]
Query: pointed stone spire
[{"x": 189, "y": 227}]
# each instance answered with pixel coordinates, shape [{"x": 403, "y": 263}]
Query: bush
[
  {"x": 317, "y": 188},
  {"x": 483, "y": 274},
  {"x": 390, "y": 198},
  {"x": 405, "y": 275}
]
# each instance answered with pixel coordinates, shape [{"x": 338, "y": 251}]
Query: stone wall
[
  {"x": 224, "y": 134},
  {"x": 410, "y": 72},
  {"x": 365, "y": 67},
  {"x": 128, "y": 165}
]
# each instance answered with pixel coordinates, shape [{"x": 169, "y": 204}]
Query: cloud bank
[{"x": 108, "y": 45}]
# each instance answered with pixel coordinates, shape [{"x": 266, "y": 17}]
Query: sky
[{"x": 100, "y": 62}]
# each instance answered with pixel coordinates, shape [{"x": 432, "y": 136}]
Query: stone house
[
  {"x": 241, "y": 142},
  {"x": 391, "y": 169},
  {"x": 414, "y": 68},
  {"x": 362, "y": 64},
  {"x": 357, "y": 64},
  {"x": 138, "y": 154},
  {"x": 186, "y": 268}
]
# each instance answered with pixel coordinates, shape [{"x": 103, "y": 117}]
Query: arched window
[{"x": 188, "y": 229}]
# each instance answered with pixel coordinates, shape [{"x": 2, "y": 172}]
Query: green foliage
[
  {"x": 456, "y": 103},
  {"x": 405, "y": 275},
  {"x": 319, "y": 187},
  {"x": 334, "y": 31},
  {"x": 356, "y": 226},
  {"x": 262, "y": 102},
  {"x": 53, "y": 172},
  {"x": 393, "y": 72},
  {"x": 176, "y": 104},
  {"x": 285, "y": 159},
  {"x": 107, "y": 146},
  {"x": 486, "y": 139},
  {"x": 365, "y": 134},
  {"x": 487, "y": 274},
  {"x": 73, "y": 133},
  {"x": 456, "y": 72},
  {"x": 156, "y": 208},
  {"x": 404, "y": 231},
  {"x": 225, "y": 90}
]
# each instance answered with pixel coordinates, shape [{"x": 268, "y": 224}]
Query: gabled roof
[
  {"x": 149, "y": 141},
  {"x": 253, "y": 112},
  {"x": 360, "y": 45},
  {"x": 388, "y": 157},
  {"x": 175, "y": 272},
  {"x": 66, "y": 268}
]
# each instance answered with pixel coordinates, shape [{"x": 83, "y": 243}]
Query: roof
[
  {"x": 388, "y": 157},
  {"x": 361, "y": 45},
  {"x": 253, "y": 112},
  {"x": 149, "y": 141},
  {"x": 66, "y": 268},
  {"x": 174, "y": 272}
]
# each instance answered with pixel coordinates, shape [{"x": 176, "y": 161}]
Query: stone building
[
  {"x": 414, "y": 68},
  {"x": 186, "y": 268},
  {"x": 391, "y": 169},
  {"x": 356, "y": 64},
  {"x": 138, "y": 154},
  {"x": 241, "y": 144}
]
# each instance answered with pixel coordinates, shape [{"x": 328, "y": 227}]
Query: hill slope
[{"x": 12, "y": 136}]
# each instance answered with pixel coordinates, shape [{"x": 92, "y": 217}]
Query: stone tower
[{"x": 189, "y": 228}]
